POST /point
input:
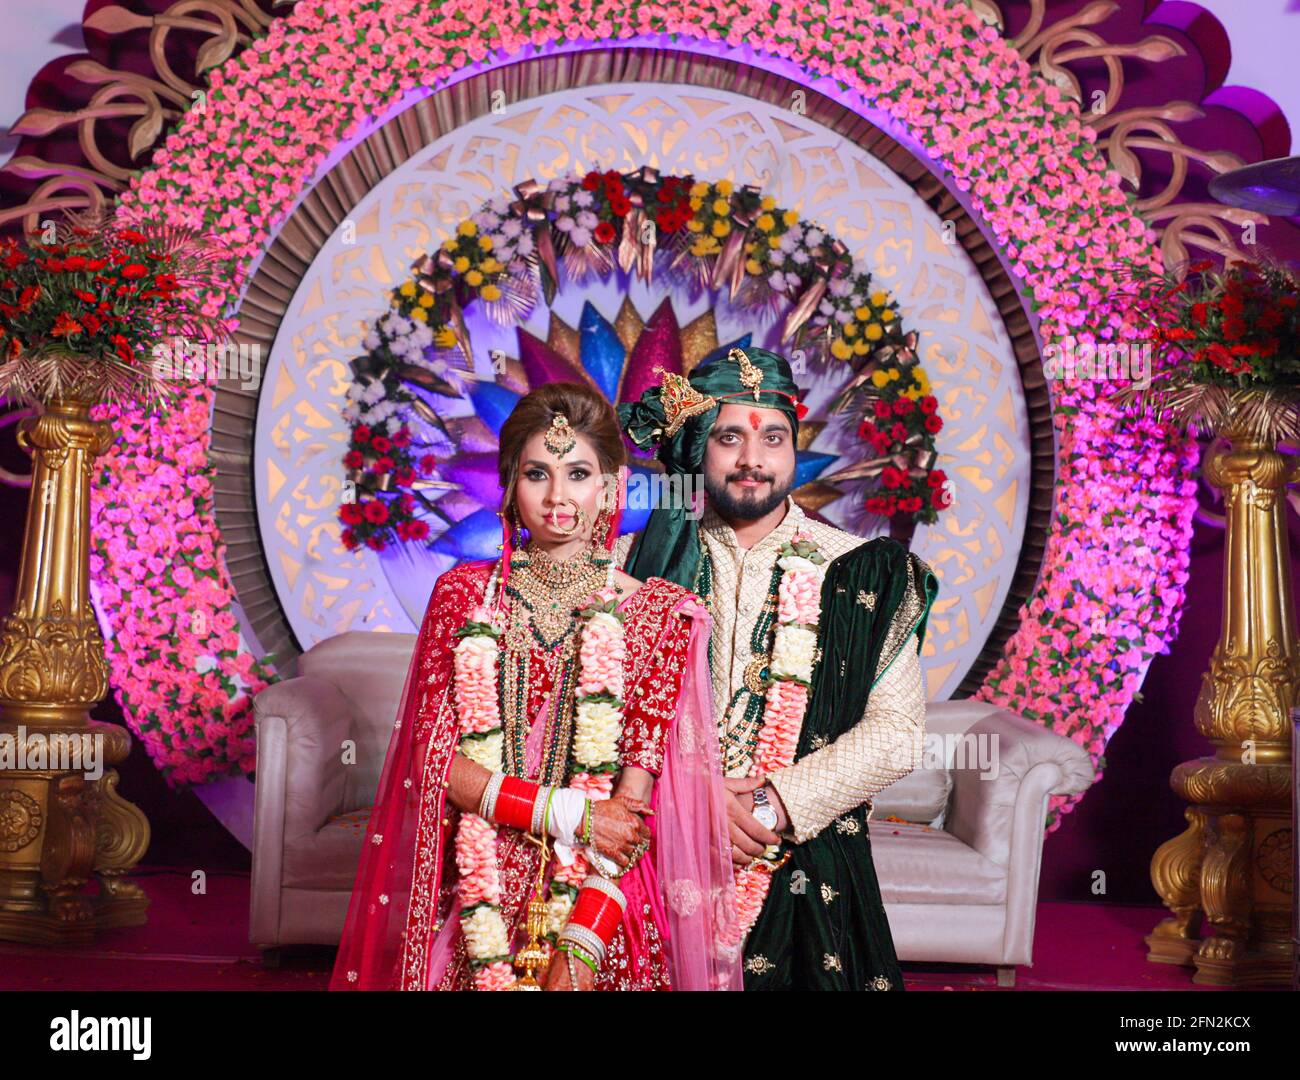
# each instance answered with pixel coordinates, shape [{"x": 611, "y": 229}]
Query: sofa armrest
[{"x": 997, "y": 756}]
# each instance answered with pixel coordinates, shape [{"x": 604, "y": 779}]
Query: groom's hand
[{"x": 748, "y": 837}]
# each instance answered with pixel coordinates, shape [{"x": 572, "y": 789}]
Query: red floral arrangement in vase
[
  {"x": 83, "y": 302},
  {"x": 1227, "y": 349}
]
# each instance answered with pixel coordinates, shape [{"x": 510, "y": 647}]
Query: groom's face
[{"x": 748, "y": 461}]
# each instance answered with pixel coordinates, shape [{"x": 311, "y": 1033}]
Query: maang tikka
[{"x": 560, "y": 437}]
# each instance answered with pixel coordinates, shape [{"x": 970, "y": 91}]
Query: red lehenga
[{"x": 402, "y": 929}]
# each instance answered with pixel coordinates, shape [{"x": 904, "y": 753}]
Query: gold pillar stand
[
  {"x": 58, "y": 827},
  {"x": 1233, "y": 863}
]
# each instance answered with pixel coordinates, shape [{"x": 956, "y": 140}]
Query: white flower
[
  {"x": 582, "y": 197},
  {"x": 840, "y": 287},
  {"x": 587, "y": 220},
  {"x": 792, "y": 652},
  {"x": 525, "y": 244},
  {"x": 371, "y": 340},
  {"x": 580, "y": 237},
  {"x": 486, "y": 751},
  {"x": 800, "y": 256},
  {"x": 557, "y": 912},
  {"x": 511, "y": 228},
  {"x": 564, "y": 223},
  {"x": 814, "y": 237},
  {"x": 797, "y": 562},
  {"x": 595, "y": 740},
  {"x": 562, "y": 204},
  {"x": 485, "y": 933}
]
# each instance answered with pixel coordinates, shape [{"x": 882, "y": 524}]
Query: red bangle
[
  {"x": 515, "y": 803},
  {"x": 598, "y": 912}
]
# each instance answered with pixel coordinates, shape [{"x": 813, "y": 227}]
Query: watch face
[{"x": 765, "y": 815}]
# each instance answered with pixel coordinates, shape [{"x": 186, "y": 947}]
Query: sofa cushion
[
  {"x": 328, "y": 858},
  {"x": 920, "y": 865},
  {"x": 921, "y": 795}
]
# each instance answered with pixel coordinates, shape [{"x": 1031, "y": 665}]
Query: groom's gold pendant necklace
[{"x": 545, "y": 595}]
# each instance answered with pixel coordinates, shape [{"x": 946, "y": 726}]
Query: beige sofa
[{"x": 959, "y": 875}]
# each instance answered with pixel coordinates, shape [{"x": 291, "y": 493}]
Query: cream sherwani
[{"x": 885, "y": 745}]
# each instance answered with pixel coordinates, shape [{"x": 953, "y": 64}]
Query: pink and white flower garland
[
  {"x": 598, "y": 728},
  {"x": 794, "y": 644}
]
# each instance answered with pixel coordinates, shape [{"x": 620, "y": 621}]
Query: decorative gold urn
[
  {"x": 62, "y": 821},
  {"x": 1234, "y": 862}
]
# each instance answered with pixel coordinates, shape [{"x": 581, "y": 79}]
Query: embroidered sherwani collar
[{"x": 712, "y": 523}]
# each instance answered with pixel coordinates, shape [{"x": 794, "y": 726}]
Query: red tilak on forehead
[{"x": 754, "y": 419}]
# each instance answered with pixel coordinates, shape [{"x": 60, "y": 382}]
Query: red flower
[
  {"x": 402, "y": 437},
  {"x": 1198, "y": 313},
  {"x": 893, "y": 478},
  {"x": 903, "y": 406},
  {"x": 419, "y": 530},
  {"x": 404, "y": 477},
  {"x": 883, "y": 409},
  {"x": 134, "y": 271},
  {"x": 428, "y": 463},
  {"x": 880, "y": 442},
  {"x": 350, "y": 513},
  {"x": 381, "y": 444},
  {"x": 92, "y": 323},
  {"x": 75, "y": 262},
  {"x": 605, "y": 233},
  {"x": 382, "y": 465},
  {"x": 929, "y": 405},
  {"x": 65, "y": 326},
  {"x": 360, "y": 433},
  {"x": 591, "y": 181},
  {"x": 937, "y": 478},
  {"x": 866, "y": 430},
  {"x": 132, "y": 237},
  {"x": 28, "y": 297},
  {"x": 933, "y": 424},
  {"x": 350, "y": 540},
  {"x": 1200, "y": 266},
  {"x": 376, "y": 511},
  {"x": 898, "y": 432},
  {"x": 353, "y": 459},
  {"x": 940, "y": 499},
  {"x": 376, "y": 543}
]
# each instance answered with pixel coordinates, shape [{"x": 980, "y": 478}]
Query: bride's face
[{"x": 545, "y": 484}]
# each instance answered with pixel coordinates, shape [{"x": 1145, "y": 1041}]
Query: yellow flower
[
  {"x": 768, "y": 203},
  {"x": 485, "y": 242},
  {"x": 467, "y": 228},
  {"x": 887, "y": 315},
  {"x": 426, "y": 300},
  {"x": 880, "y": 298},
  {"x": 873, "y": 331},
  {"x": 922, "y": 379},
  {"x": 766, "y": 222},
  {"x": 724, "y": 187},
  {"x": 461, "y": 264},
  {"x": 721, "y": 206},
  {"x": 878, "y": 379},
  {"x": 774, "y": 241},
  {"x": 860, "y": 347},
  {"x": 420, "y": 313},
  {"x": 698, "y": 190},
  {"x": 790, "y": 217},
  {"x": 894, "y": 374},
  {"x": 444, "y": 338},
  {"x": 840, "y": 349},
  {"x": 492, "y": 265},
  {"x": 407, "y": 289},
  {"x": 696, "y": 203},
  {"x": 695, "y": 226},
  {"x": 490, "y": 292},
  {"x": 720, "y": 227},
  {"x": 862, "y": 314},
  {"x": 449, "y": 244},
  {"x": 912, "y": 392},
  {"x": 752, "y": 266},
  {"x": 850, "y": 329},
  {"x": 474, "y": 278}
]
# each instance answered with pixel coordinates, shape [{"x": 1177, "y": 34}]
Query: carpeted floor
[{"x": 197, "y": 939}]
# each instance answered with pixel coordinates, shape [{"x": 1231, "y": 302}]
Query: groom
[{"x": 736, "y": 420}]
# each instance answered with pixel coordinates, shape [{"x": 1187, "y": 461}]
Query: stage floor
[{"x": 200, "y": 942}]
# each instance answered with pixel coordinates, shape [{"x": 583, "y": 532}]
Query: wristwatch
[{"x": 764, "y": 811}]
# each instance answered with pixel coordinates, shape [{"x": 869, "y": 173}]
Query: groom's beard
[{"x": 748, "y": 506}]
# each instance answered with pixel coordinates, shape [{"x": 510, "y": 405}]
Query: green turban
[{"x": 676, "y": 417}]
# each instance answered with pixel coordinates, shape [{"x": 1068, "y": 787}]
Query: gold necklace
[{"x": 547, "y": 592}]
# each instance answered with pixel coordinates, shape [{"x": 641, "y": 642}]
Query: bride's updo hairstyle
[{"x": 588, "y": 414}]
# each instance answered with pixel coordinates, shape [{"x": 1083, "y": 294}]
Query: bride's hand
[
  {"x": 618, "y": 826},
  {"x": 557, "y": 975}
]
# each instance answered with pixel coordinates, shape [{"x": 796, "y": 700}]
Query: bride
[{"x": 549, "y": 811}]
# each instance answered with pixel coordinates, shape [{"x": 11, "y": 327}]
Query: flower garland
[
  {"x": 598, "y": 728},
  {"x": 785, "y": 701},
  {"x": 1111, "y": 586}
]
